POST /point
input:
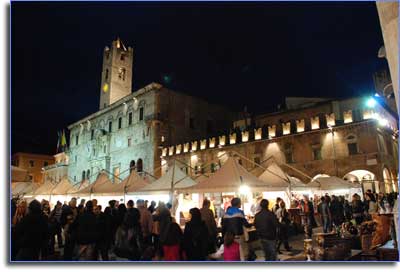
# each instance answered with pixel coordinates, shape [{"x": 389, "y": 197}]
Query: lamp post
[{"x": 333, "y": 149}]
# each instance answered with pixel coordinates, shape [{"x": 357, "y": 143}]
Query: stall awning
[
  {"x": 62, "y": 187},
  {"x": 23, "y": 188},
  {"x": 18, "y": 174},
  {"x": 163, "y": 185},
  {"x": 332, "y": 183},
  {"x": 101, "y": 179},
  {"x": 45, "y": 189},
  {"x": 229, "y": 178},
  {"x": 275, "y": 177}
]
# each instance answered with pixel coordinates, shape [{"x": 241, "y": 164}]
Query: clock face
[{"x": 105, "y": 87}]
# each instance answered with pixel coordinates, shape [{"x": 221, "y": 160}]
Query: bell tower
[{"x": 116, "y": 76}]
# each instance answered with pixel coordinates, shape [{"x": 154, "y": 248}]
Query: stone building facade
[
  {"x": 130, "y": 127},
  {"x": 57, "y": 171},
  {"x": 33, "y": 163},
  {"x": 354, "y": 139}
]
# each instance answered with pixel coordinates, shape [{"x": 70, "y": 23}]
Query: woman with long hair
[{"x": 195, "y": 237}]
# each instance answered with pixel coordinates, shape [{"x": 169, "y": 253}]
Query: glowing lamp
[
  {"x": 244, "y": 189},
  {"x": 371, "y": 102}
]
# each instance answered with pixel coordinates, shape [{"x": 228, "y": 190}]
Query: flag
[
  {"x": 63, "y": 141},
  {"x": 58, "y": 140}
]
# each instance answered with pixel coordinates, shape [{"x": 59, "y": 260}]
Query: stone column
[{"x": 389, "y": 15}]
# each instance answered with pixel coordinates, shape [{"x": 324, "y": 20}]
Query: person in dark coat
[
  {"x": 162, "y": 219},
  {"x": 129, "y": 239},
  {"x": 152, "y": 207},
  {"x": 32, "y": 234},
  {"x": 87, "y": 233},
  {"x": 68, "y": 216},
  {"x": 195, "y": 237},
  {"x": 104, "y": 228}
]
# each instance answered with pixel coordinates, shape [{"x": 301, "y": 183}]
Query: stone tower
[{"x": 116, "y": 76}]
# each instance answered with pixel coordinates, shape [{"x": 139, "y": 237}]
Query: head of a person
[
  {"x": 97, "y": 209},
  {"x": 94, "y": 201},
  {"x": 112, "y": 203},
  {"x": 146, "y": 203},
  {"x": 168, "y": 205},
  {"x": 140, "y": 203},
  {"x": 22, "y": 206},
  {"x": 305, "y": 198},
  {"x": 153, "y": 203},
  {"x": 278, "y": 200},
  {"x": 229, "y": 238},
  {"x": 264, "y": 204},
  {"x": 121, "y": 208},
  {"x": 130, "y": 204},
  {"x": 89, "y": 206},
  {"x": 35, "y": 208},
  {"x": 46, "y": 206},
  {"x": 322, "y": 199},
  {"x": 195, "y": 215},
  {"x": 83, "y": 202},
  {"x": 206, "y": 203},
  {"x": 282, "y": 204},
  {"x": 235, "y": 202},
  {"x": 58, "y": 205},
  {"x": 72, "y": 203},
  {"x": 107, "y": 211}
]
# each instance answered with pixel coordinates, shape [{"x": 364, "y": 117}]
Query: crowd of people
[{"x": 142, "y": 232}]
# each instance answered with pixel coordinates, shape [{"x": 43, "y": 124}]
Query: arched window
[
  {"x": 83, "y": 175},
  {"x": 131, "y": 166},
  {"x": 352, "y": 144},
  {"x": 120, "y": 123},
  {"x": 88, "y": 174},
  {"x": 139, "y": 165}
]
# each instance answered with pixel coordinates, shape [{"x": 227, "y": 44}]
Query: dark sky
[{"x": 233, "y": 54}]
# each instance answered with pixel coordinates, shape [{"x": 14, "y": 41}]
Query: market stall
[
  {"x": 44, "y": 191},
  {"x": 60, "y": 190},
  {"x": 334, "y": 186},
  {"x": 23, "y": 188},
  {"x": 86, "y": 192}
]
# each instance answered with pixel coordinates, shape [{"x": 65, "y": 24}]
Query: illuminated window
[
  {"x": 130, "y": 115},
  {"x": 300, "y": 125},
  {"x": 245, "y": 136},
  {"x": 178, "y": 149},
  {"x": 232, "y": 138},
  {"x": 222, "y": 140},
  {"x": 203, "y": 144},
  {"x": 272, "y": 131},
  {"x": 286, "y": 128},
  {"x": 162, "y": 139},
  {"x": 257, "y": 133},
  {"x": 368, "y": 114},
  {"x": 211, "y": 143},
  {"x": 186, "y": 147},
  {"x": 171, "y": 150},
  {"x": 164, "y": 152},
  {"x": 315, "y": 122},
  {"x": 348, "y": 116},
  {"x": 194, "y": 146},
  {"x": 330, "y": 119}
]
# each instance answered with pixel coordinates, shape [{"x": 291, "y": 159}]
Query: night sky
[{"x": 234, "y": 54}]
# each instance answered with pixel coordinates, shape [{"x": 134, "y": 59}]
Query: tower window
[
  {"x": 119, "y": 123},
  {"x": 76, "y": 139},
  {"x": 141, "y": 113},
  {"x": 130, "y": 118},
  {"x": 92, "y": 134},
  {"x": 110, "y": 127},
  {"x": 121, "y": 73},
  {"x": 106, "y": 77},
  {"x": 352, "y": 144}
]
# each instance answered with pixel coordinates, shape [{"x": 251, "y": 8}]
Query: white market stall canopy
[
  {"x": 132, "y": 183},
  {"x": 174, "y": 175},
  {"x": 78, "y": 186},
  {"x": 45, "y": 189},
  {"x": 332, "y": 183},
  {"x": 101, "y": 179},
  {"x": 62, "y": 187},
  {"x": 275, "y": 177},
  {"x": 229, "y": 178},
  {"x": 23, "y": 188},
  {"x": 18, "y": 174}
]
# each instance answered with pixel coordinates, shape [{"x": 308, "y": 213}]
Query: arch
[
  {"x": 320, "y": 176},
  {"x": 131, "y": 166},
  {"x": 365, "y": 177},
  {"x": 139, "y": 166}
]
